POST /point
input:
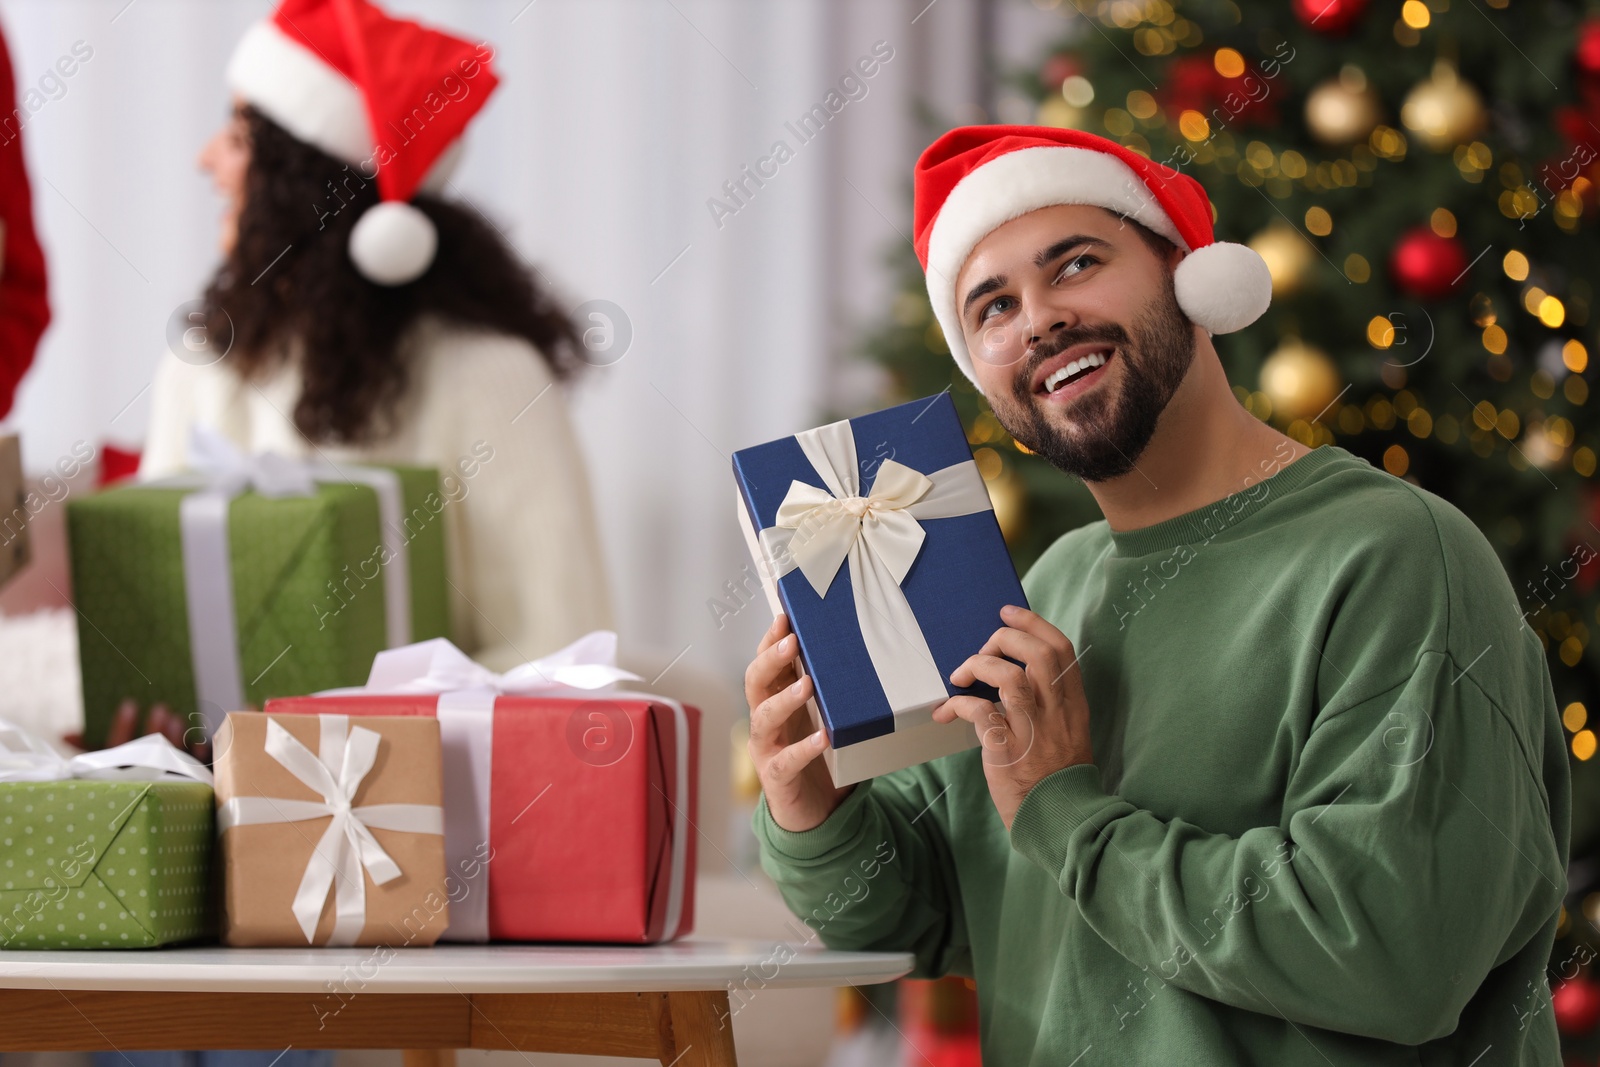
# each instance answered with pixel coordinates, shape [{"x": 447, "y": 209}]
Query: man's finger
[
  {"x": 768, "y": 718},
  {"x": 786, "y": 766},
  {"x": 1037, "y": 625},
  {"x": 775, "y": 632},
  {"x": 1000, "y": 673},
  {"x": 972, "y": 709},
  {"x": 1034, "y": 653},
  {"x": 767, "y": 669}
]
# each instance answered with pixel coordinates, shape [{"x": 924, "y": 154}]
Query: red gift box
[{"x": 591, "y": 807}]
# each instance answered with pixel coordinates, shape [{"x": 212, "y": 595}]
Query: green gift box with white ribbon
[
  {"x": 110, "y": 849},
  {"x": 255, "y": 577}
]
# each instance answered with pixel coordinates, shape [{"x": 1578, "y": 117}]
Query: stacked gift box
[{"x": 436, "y": 799}]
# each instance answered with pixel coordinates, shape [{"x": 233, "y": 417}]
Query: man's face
[{"x": 1076, "y": 336}]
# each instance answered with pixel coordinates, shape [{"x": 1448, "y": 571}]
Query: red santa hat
[
  {"x": 974, "y": 179},
  {"x": 386, "y": 95}
]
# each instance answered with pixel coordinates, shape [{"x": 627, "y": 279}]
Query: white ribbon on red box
[{"x": 585, "y": 669}]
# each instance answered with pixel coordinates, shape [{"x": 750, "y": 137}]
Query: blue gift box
[{"x": 910, "y": 460}]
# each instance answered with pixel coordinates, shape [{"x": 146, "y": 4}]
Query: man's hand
[
  {"x": 1044, "y": 726},
  {"x": 784, "y": 748}
]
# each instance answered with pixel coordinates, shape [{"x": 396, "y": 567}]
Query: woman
[{"x": 439, "y": 350}]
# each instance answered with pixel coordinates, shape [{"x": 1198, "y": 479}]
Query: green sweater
[{"x": 1326, "y": 823}]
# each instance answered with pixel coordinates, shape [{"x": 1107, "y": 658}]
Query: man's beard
[{"x": 1109, "y": 431}]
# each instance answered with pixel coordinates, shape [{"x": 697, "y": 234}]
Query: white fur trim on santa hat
[
  {"x": 295, "y": 88},
  {"x": 393, "y": 243},
  {"x": 1224, "y": 288}
]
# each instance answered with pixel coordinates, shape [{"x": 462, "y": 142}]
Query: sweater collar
[{"x": 1205, "y": 523}]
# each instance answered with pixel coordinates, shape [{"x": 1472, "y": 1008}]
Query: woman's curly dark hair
[{"x": 289, "y": 276}]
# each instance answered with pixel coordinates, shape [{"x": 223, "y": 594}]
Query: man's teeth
[{"x": 1089, "y": 362}]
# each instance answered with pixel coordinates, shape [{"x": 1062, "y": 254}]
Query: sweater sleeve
[
  {"x": 530, "y": 576},
  {"x": 877, "y": 875},
  {"x": 1415, "y": 855}
]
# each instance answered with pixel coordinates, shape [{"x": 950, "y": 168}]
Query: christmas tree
[{"x": 1422, "y": 180}]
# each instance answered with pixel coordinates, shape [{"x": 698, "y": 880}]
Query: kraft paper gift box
[
  {"x": 212, "y": 596},
  {"x": 330, "y": 831},
  {"x": 110, "y": 849},
  {"x": 570, "y": 805},
  {"x": 877, "y": 538}
]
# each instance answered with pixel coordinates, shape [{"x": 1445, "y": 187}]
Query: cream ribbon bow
[
  {"x": 879, "y": 536},
  {"x": 345, "y": 755}
]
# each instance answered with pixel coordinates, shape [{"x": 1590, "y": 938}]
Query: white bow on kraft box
[
  {"x": 330, "y": 832},
  {"x": 251, "y": 576},
  {"x": 877, "y": 538}
]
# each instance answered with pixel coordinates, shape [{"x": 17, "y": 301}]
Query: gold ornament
[
  {"x": 1443, "y": 111},
  {"x": 1345, "y": 109},
  {"x": 1288, "y": 254},
  {"x": 1010, "y": 504},
  {"x": 1055, "y": 111},
  {"x": 1300, "y": 380}
]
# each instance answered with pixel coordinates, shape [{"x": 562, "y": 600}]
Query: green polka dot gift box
[
  {"x": 105, "y": 864},
  {"x": 212, "y": 599}
]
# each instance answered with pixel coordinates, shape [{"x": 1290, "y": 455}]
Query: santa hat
[
  {"x": 976, "y": 178},
  {"x": 386, "y": 95}
]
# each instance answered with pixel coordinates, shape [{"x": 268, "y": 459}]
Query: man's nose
[{"x": 1047, "y": 319}]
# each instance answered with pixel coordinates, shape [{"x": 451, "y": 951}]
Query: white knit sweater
[{"x": 524, "y": 554}]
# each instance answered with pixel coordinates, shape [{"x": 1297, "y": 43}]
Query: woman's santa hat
[
  {"x": 385, "y": 95},
  {"x": 975, "y": 179}
]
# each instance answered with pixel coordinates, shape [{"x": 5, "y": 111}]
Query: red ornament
[
  {"x": 1330, "y": 16},
  {"x": 1587, "y": 55},
  {"x": 1057, "y": 69},
  {"x": 1577, "y": 1006},
  {"x": 1425, "y": 265},
  {"x": 1193, "y": 84}
]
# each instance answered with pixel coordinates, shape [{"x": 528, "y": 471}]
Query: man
[{"x": 1277, "y": 775}]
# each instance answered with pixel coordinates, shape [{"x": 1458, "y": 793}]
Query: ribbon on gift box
[
  {"x": 879, "y": 536},
  {"x": 221, "y": 471},
  {"x": 345, "y": 755},
  {"x": 585, "y": 669},
  {"x": 27, "y": 757}
]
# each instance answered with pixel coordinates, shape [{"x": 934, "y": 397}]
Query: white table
[{"x": 666, "y": 1001}]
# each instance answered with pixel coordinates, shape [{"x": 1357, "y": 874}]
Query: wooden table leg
[
  {"x": 702, "y": 1030},
  {"x": 428, "y": 1057}
]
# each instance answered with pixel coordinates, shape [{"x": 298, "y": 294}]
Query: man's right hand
[{"x": 784, "y": 748}]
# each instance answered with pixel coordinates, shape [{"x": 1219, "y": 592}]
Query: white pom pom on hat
[
  {"x": 975, "y": 179},
  {"x": 393, "y": 243},
  {"x": 1223, "y": 286}
]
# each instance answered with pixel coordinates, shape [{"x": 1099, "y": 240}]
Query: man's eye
[
  {"x": 1085, "y": 258},
  {"x": 994, "y": 307}
]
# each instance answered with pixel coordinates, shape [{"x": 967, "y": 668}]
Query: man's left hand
[{"x": 1042, "y": 723}]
